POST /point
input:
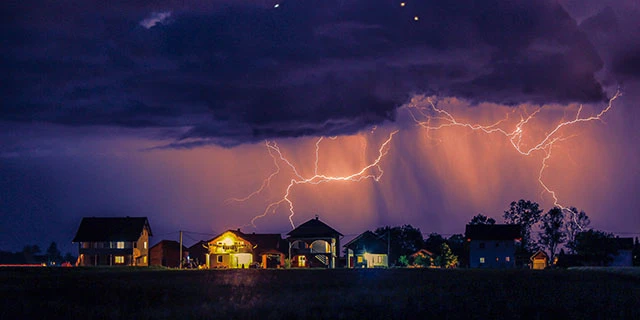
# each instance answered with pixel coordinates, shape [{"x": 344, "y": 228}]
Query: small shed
[{"x": 539, "y": 260}]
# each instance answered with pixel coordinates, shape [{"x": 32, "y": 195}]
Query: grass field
[{"x": 75, "y": 293}]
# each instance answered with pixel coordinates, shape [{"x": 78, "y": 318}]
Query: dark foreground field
[{"x": 318, "y": 294}]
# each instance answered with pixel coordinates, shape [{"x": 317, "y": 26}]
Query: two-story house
[
  {"x": 235, "y": 249},
  {"x": 492, "y": 246},
  {"x": 314, "y": 244},
  {"x": 113, "y": 241}
]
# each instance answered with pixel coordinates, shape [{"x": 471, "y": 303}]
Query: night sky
[{"x": 170, "y": 110}]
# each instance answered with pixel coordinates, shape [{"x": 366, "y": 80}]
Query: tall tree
[
  {"x": 481, "y": 219},
  {"x": 575, "y": 222},
  {"x": 552, "y": 235},
  {"x": 53, "y": 254},
  {"x": 405, "y": 241},
  {"x": 458, "y": 245},
  {"x": 434, "y": 243},
  {"x": 526, "y": 214},
  {"x": 596, "y": 247}
]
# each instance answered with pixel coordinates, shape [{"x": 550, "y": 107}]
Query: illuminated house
[
  {"x": 235, "y": 249},
  {"x": 314, "y": 244},
  {"x": 539, "y": 260},
  {"x": 113, "y": 241},
  {"x": 367, "y": 251},
  {"x": 166, "y": 253},
  {"x": 492, "y": 246}
]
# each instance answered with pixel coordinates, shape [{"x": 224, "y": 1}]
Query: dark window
[
  {"x": 481, "y": 246},
  {"x": 219, "y": 259}
]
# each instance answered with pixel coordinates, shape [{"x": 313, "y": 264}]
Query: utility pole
[
  {"x": 388, "y": 247},
  {"x": 180, "y": 261}
]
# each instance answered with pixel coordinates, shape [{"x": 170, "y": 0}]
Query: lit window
[
  {"x": 119, "y": 259},
  {"x": 497, "y": 259},
  {"x": 507, "y": 259},
  {"x": 359, "y": 259},
  {"x": 302, "y": 261},
  {"x": 120, "y": 244},
  {"x": 144, "y": 245},
  {"x": 144, "y": 259},
  {"x": 481, "y": 259}
]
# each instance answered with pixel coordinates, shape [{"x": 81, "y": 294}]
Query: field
[{"x": 149, "y": 293}]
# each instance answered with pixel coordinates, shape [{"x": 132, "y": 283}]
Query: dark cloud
[{"x": 237, "y": 71}]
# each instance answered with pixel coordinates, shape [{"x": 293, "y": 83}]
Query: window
[
  {"x": 120, "y": 245},
  {"x": 359, "y": 259},
  {"x": 219, "y": 259},
  {"x": 144, "y": 259},
  {"x": 119, "y": 259},
  {"x": 302, "y": 261},
  {"x": 380, "y": 259},
  {"x": 497, "y": 259},
  {"x": 144, "y": 245},
  {"x": 481, "y": 259},
  {"x": 507, "y": 259},
  {"x": 497, "y": 244},
  {"x": 481, "y": 245}
]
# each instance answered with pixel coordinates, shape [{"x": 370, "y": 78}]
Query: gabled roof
[
  {"x": 111, "y": 229},
  {"x": 492, "y": 232},
  {"x": 422, "y": 252},
  {"x": 540, "y": 254},
  {"x": 169, "y": 244},
  {"x": 261, "y": 242},
  {"x": 369, "y": 241},
  {"x": 313, "y": 228}
]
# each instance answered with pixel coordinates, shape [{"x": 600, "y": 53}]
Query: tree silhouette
[
  {"x": 552, "y": 231},
  {"x": 526, "y": 214},
  {"x": 596, "y": 247},
  {"x": 53, "y": 254},
  {"x": 575, "y": 222},
  {"x": 405, "y": 240},
  {"x": 446, "y": 259},
  {"x": 481, "y": 219}
]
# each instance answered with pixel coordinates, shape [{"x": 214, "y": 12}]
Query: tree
[
  {"x": 68, "y": 257},
  {"x": 405, "y": 241},
  {"x": 481, "y": 219},
  {"x": 30, "y": 252},
  {"x": 458, "y": 245},
  {"x": 403, "y": 261},
  {"x": 423, "y": 261},
  {"x": 526, "y": 214},
  {"x": 575, "y": 222},
  {"x": 53, "y": 254},
  {"x": 596, "y": 247},
  {"x": 446, "y": 259},
  {"x": 434, "y": 243},
  {"x": 552, "y": 231},
  {"x": 636, "y": 253}
]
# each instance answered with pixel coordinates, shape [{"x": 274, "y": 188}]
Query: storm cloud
[{"x": 231, "y": 72}]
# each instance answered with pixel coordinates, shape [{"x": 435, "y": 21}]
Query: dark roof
[
  {"x": 265, "y": 241},
  {"x": 313, "y": 228},
  {"x": 369, "y": 241},
  {"x": 492, "y": 232},
  {"x": 169, "y": 244},
  {"x": 111, "y": 229}
]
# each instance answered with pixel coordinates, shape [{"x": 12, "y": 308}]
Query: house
[
  {"x": 314, "y": 244},
  {"x": 199, "y": 252},
  {"x": 624, "y": 258},
  {"x": 235, "y": 249},
  {"x": 166, "y": 253},
  {"x": 492, "y": 246},
  {"x": 539, "y": 260},
  {"x": 367, "y": 251},
  {"x": 113, "y": 241}
]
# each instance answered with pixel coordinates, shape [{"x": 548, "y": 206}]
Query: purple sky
[{"x": 164, "y": 111}]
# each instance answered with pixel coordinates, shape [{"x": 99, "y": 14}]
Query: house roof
[
  {"x": 261, "y": 241},
  {"x": 169, "y": 244},
  {"x": 313, "y": 228},
  {"x": 539, "y": 255},
  {"x": 422, "y": 252},
  {"x": 369, "y": 241},
  {"x": 111, "y": 229},
  {"x": 492, "y": 232}
]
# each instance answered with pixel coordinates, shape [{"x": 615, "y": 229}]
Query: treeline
[{"x": 32, "y": 254}]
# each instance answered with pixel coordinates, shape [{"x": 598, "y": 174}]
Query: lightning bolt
[
  {"x": 372, "y": 170},
  {"x": 426, "y": 116}
]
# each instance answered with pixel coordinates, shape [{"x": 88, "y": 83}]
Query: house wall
[
  {"x": 624, "y": 258},
  {"x": 141, "y": 249},
  {"x": 496, "y": 254}
]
